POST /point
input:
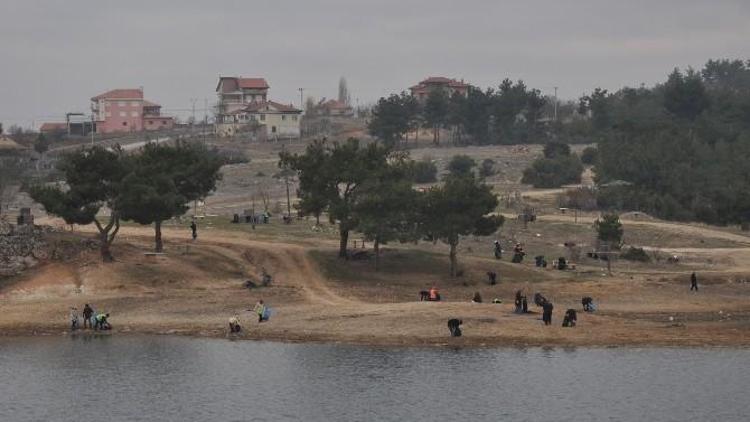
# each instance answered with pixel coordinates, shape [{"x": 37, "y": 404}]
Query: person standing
[
  {"x": 73, "y": 318},
  {"x": 88, "y": 312},
  {"x": 194, "y": 229},
  {"x": 693, "y": 282},
  {"x": 260, "y": 309},
  {"x": 547, "y": 313},
  {"x": 498, "y": 250}
]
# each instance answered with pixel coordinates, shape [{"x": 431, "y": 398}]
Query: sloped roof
[
  {"x": 120, "y": 94},
  {"x": 335, "y": 105},
  {"x": 269, "y": 106},
  {"x": 147, "y": 103},
  {"x": 233, "y": 83},
  {"x": 52, "y": 126}
]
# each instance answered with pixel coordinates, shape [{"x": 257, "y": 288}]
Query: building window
[
  {"x": 262, "y": 117},
  {"x": 123, "y": 114},
  {"x": 273, "y": 129},
  {"x": 134, "y": 114},
  {"x": 124, "y": 123},
  {"x": 150, "y": 122},
  {"x": 163, "y": 122},
  {"x": 294, "y": 118},
  {"x": 134, "y": 103},
  {"x": 121, "y": 103}
]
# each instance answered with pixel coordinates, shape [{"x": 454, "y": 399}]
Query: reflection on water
[{"x": 140, "y": 378}]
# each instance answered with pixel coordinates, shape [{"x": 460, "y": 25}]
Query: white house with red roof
[
  {"x": 244, "y": 105},
  {"x": 450, "y": 86},
  {"x": 125, "y": 110}
]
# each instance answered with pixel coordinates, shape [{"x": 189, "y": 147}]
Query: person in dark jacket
[
  {"x": 194, "y": 229},
  {"x": 88, "y": 312},
  {"x": 547, "y": 313},
  {"x": 693, "y": 282},
  {"x": 454, "y": 327}
]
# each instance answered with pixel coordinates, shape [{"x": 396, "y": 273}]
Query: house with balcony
[
  {"x": 422, "y": 90},
  {"x": 243, "y": 107},
  {"x": 125, "y": 110}
]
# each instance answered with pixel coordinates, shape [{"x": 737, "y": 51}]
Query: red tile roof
[
  {"x": 121, "y": 94},
  {"x": 264, "y": 105},
  {"x": 232, "y": 83},
  {"x": 335, "y": 105},
  {"x": 51, "y": 127},
  {"x": 253, "y": 83}
]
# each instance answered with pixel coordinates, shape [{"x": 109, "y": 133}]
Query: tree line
[
  {"x": 679, "y": 149},
  {"x": 512, "y": 113},
  {"x": 369, "y": 188},
  {"x": 148, "y": 187}
]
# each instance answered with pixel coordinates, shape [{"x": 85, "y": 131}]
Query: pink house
[{"x": 125, "y": 110}]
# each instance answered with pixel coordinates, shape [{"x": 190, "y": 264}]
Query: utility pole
[{"x": 555, "y": 104}]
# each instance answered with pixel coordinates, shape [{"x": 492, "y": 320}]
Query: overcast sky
[{"x": 58, "y": 54}]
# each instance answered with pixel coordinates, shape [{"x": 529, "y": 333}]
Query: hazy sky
[{"x": 55, "y": 55}]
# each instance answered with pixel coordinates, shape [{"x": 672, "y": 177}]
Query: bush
[
  {"x": 487, "y": 168},
  {"x": 553, "y": 172},
  {"x": 556, "y": 149},
  {"x": 635, "y": 254},
  {"x": 589, "y": 155},
  {"x": 461, "y": 164},
  {"x": 424, "y": 171}
]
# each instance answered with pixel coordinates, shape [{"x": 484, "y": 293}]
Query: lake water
[{"x": 142, "y": 378}]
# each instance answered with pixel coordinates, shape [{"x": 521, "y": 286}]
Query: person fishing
[
  {"x": 693, "y": 282},
  {"x": 73, "y": 318},
  {"x": 234, "y": 324},
  {"x": 102, "y": 323},
  {"x": 260, "y": 309},
  {"x": 88, "y": 312},
  {"x": 194, "y": 229}
]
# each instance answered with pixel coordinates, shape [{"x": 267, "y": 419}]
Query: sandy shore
[{"x": 193, "y": 291}]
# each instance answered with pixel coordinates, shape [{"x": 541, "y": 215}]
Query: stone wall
[{"x": 23, "y": 247}]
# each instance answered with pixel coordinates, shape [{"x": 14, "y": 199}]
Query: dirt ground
[{"x": 196, "y": 287}]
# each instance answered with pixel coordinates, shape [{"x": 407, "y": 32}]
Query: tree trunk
[
  {"x": 435, "y": 135},
  {"x": 376, "y": 247},
  {"x": 454, "y": 260},
  {"x": 104, "y": 248},
  {"x": 317, "y": 220},
  {"x": 106, "y": 238},
  {"x": 157, "y": 236},
  {"x": 344, "y": 241}
]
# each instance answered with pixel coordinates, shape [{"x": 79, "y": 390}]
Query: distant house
[
  {"x": 51, "y": 127},
  {"x": 235, "y": 93},
  {"x": 125, "y": 110},
  {"x": 333, "y": 108},
  {"x": 244, "y": 106},
  {"x": 450, "y": 86},
  {"x": 267, "y": 118}
]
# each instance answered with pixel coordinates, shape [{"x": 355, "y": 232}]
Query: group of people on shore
[
  {"x": 260, "y": 309},
  {"x": 91, "y": 319}
]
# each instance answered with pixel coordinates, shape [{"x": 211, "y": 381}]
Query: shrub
[
  {"x": 553, "y": 172},
  {"x": 487, "y": 168},
  {"x": 556, "y": 149},
  {"x": 583, "y": 198},
  {"x": 461, "y": 164},
  {"x": 635, "y": 254},
  {"x": 424, "y": 171},
  {"x": 589, "y": 155}
]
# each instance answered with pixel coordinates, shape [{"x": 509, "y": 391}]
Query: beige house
[{"x": 267, "y": 119}]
